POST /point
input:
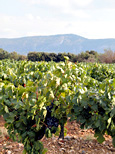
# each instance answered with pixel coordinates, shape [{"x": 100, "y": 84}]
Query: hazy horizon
[{"x": 52, "y": 35}]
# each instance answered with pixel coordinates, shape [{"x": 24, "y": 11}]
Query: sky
[{"x": 93, "y": 19}]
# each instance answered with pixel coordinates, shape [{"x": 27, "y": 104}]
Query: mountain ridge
[{"x": 56, "y": 43}]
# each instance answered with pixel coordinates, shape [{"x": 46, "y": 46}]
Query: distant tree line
[
  {"x": 11, "y": 55},
  {"x": 88, "y": 56},
  {"x": 42, "y": 56}
]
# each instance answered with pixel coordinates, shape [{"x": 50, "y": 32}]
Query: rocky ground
[{"x": 76, "y": 141}]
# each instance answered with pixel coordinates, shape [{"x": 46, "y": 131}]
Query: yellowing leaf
[
  {"x": 109, "y": 121},
  {"x": 57, "y": 82},
  {"x": 6, "y": 109},
  {"x": 51, "y": 96}
]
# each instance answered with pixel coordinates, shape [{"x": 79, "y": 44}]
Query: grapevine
[{"x": 37, "y": 97}]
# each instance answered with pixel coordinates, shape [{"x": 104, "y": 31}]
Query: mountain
[{"x": 56, "y": 43}]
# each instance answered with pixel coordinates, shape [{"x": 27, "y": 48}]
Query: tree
[
  {"x": 22, "y": 57},
  {"x": 3, "y": 54},
  {"x": 32, "y": 56},
  {"x": 13, "y": 55},
  {"x": 108, "y": 56},
  {"x": 60, "y": 57},
  {"x": 53, "y": 56}
]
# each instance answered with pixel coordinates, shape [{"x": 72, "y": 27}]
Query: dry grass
[
  {"x": 89, "y": 137},
  {"x": 3, "y": 132}
]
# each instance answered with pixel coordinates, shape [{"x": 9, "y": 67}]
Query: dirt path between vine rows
[{"x": 76, "y": 141}]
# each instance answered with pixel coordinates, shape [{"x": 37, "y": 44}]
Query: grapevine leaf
[
  {"x": 109, "y": 122},
  {"x": 6, "y": 109},
  {"x": 100, "y": 137},
  {"x": 48, "y": 133},
  {"x": 44, "y": 151},
  {"x": 44, "y": 113},
  {"x": 113, "y": 141},
  {"x": 24, "y": 151},
  {"x": 97, "y": 124}
]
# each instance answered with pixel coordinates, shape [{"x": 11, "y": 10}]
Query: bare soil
[{"x": 77, "y": 141}]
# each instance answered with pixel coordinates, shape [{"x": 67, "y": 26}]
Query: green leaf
[
  {"x": 97, "y": 124},
  {"x": 48, "y": 133},
  {"x": 38, "y": 145},
  {"x": 113, "y": 141},
  {"x": 44, "y": 151},
  {"x": 100, "y": 137},
  {"x": 24, "y": 151}
]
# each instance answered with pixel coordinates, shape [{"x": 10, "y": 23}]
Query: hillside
[{"x": 56, "y": 43}]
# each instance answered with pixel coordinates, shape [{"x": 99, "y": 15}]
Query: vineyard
[{"x": 37, "y": 98}]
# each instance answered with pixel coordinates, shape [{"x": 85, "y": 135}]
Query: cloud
[
  {"x": 13, "y": 26},
  {"x": 29, "y": 16},
  {"x": 79, "y": 14},
  {"x": 30, "y": 25},
  {"x": 65, "y": 8},
  {"x": 88, "y": 18},
  {"x": 60, "y": 2},
  {"x": 81, "y": 3},
  {"x": 63, "y": 4}
]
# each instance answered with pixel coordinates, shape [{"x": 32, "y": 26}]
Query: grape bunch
[{"x": 51, "y": 122}]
